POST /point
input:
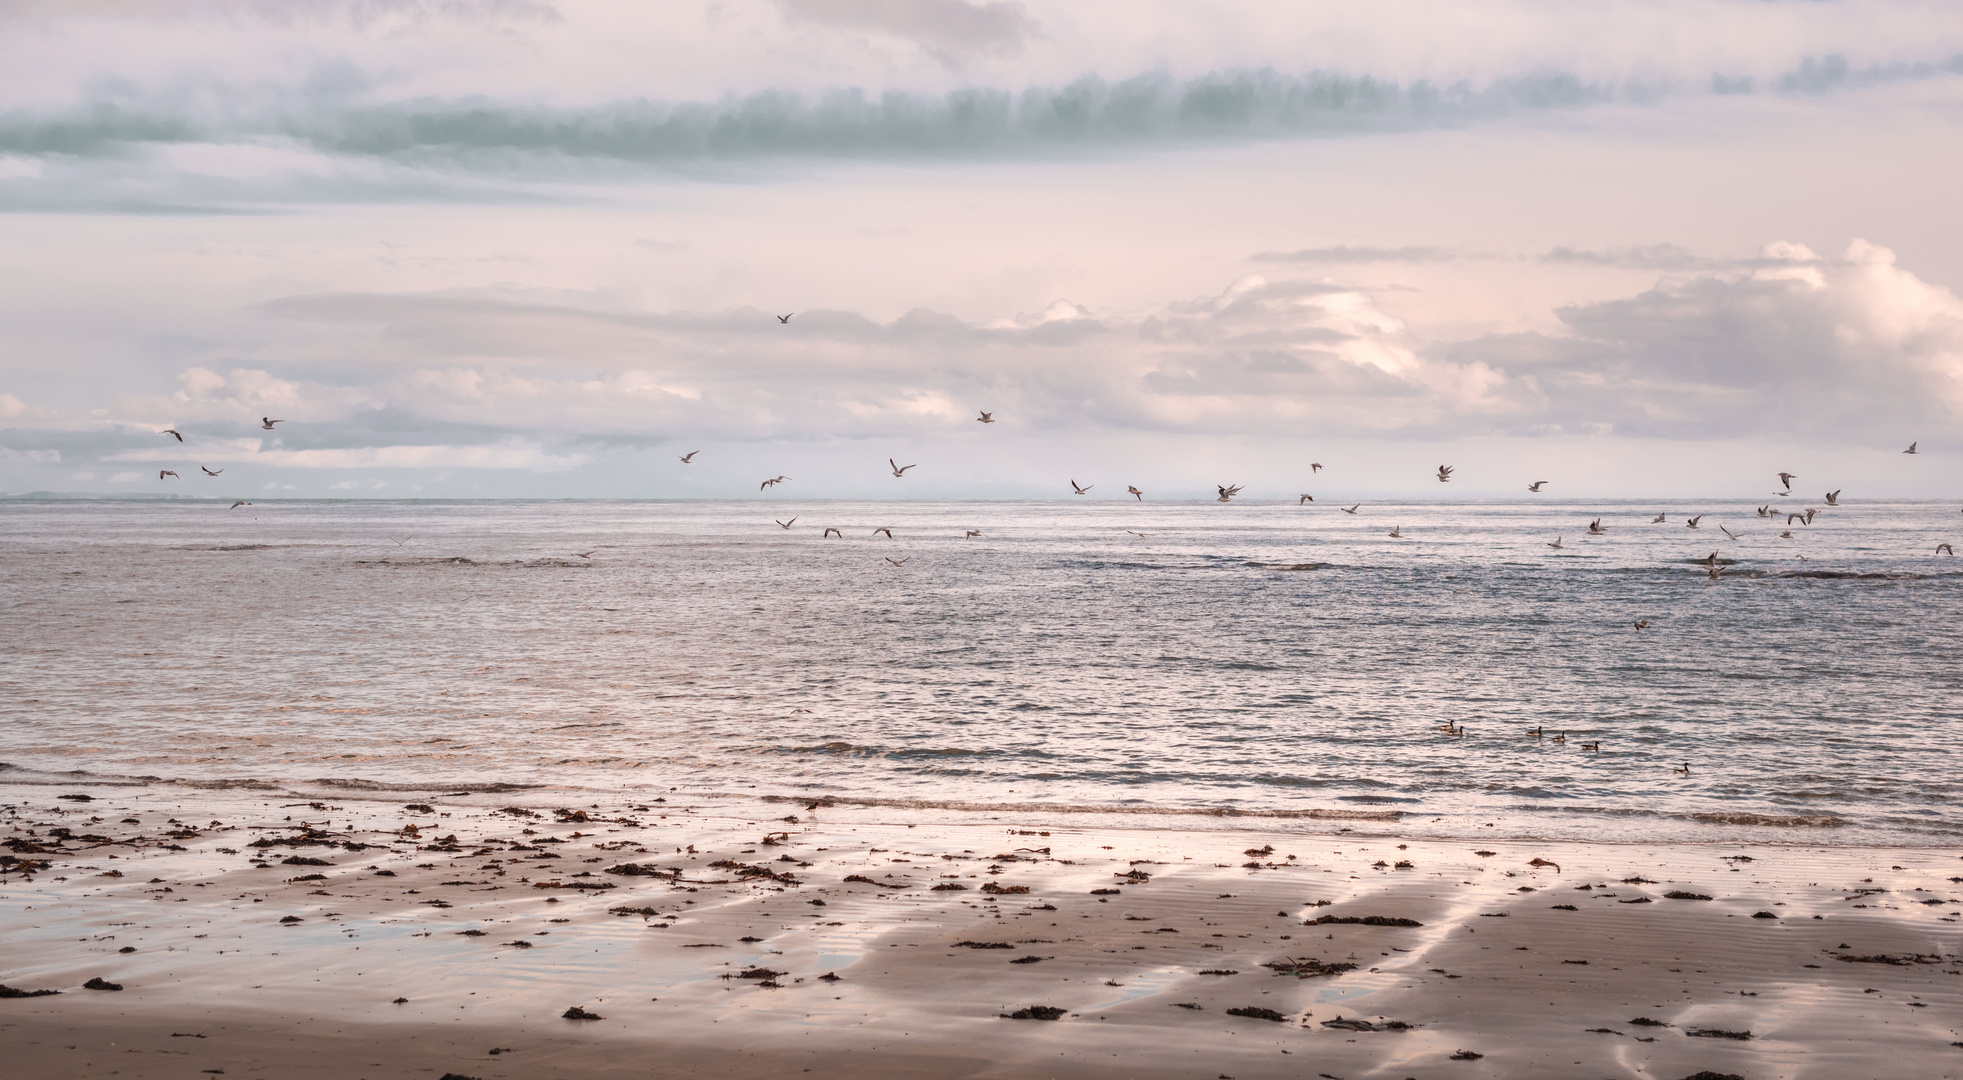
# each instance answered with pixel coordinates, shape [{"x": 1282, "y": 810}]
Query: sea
[{"x": 1149, "y": 664}]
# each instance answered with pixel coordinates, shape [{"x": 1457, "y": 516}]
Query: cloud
[
  {"x": 29, "y": 457},
  {"x": 1675, "y": 257},
  {"x": 949, "y": 30}
]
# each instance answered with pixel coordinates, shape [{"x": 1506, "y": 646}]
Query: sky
[{"x": 524, "y": 248}]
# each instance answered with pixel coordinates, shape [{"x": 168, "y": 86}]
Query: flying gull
[
  {"x": 1833, "y": 497},
  {"x": 1305, "y": 499},
  {"x": 267, "y": 422},
  {"x": 899, "y": 469},
  {"x": 1350, "y": 509},
  {"x": 1556, "y": 543},
  {"x": 1227, "y": 493},
  {"x": 785, "y": 318},
  {"x": 1397, "y": 532},
  {"x": 211, "y": 472},
  {"x": 888, "y": 532},
  {"x": 985, "y": 418},
  {"x": 1444, "y": 474},
  {"x": 1315, "y": 466},
  {"x": 161, "y": 473},
  {"x": 972, "y": 533},
  {"x": 833, "y": 532},
  {"x": 1787, "y": 479},
  {"x": 1535, "y": 486},
  {"x": 172, "y": 431},
  {"x": 1134, "y": 491},
  {"x": 1080, "y": 488},
  {"x": 785, "y": 524},
  {"x": 1910, "y": 450},
  {"x": 1595, "y": 528},
  {"x": 240, "y": 503},
  {"x": 1691, "y": 523},
  {"x": 898, "y": 562},
  {"x": 687, "y": 456},
  {"x": 1657, "y": 520}
]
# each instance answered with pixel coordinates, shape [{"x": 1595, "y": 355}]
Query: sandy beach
[{"x": 265, "y": 935}]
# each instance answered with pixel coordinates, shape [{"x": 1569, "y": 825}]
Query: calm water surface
[{"x": 1268, "y": 659}]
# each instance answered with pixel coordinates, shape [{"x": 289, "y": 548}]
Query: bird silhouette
[
  {"x": 1833, "y": 497},
  {"x": 1945, "y": 549},
  {"x": 1910, "y": 450},
  {"x": 1305, "y": 499},
  {"x": 897, "y": 562},
  {"x": 1658, "y": 520},
  {"x": 161, "y": 473},
  {"x": 972, "y": 533},
  {"x": 1397, "y": 532},
  {"x": 687, "y": 456},
  {"x": 1556, "y": 543},
  {"x": 1595, "y": 528},
  {"x": 833, "y": 532},
  {"x": 587, "y": 555},
  {"x": 899, "y": 469},
  {"x": 772, "y": 482},
  {"x": 1765, "y": 511},
  {"x": 1591, "y": 746},
  {"x": 1787, "y": 479},
  {"x": 785, "y": 524},
  {"x": 1140, "y": 535},
  {"x": 1685, "y": 771},
  {"x": 1080, "y": 488},
  {"x": 985, "y": 418},
  {"x": 172, "y": 432},
  {"x": 1444, "y": 474},
  {"x": 240, "y": 503},
  {"x": 888, "y": 532},
  {"x": 1350, "y": 509},
  {"x": 1691, "y": 523},
  {"x": 785, "y": 318},
  {"x": 211, "y": 472},
  {"x": 1227, "y": 493},
  {"x": 268, "y": 422},
  {"x": 1315, "y": 466},
  {"x": 1535, "y": 486},
  {"x": 1134, "y": 491},
  {"x": 1642, "y": 624},
  {"x": 1728, "y": 532}
]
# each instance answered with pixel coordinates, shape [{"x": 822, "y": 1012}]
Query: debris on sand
[
  {"x": 1218, "y": 971},
  {"x": 1255, "y": 1012},
  {"x": 1679, "y": 894},
  {"x": 1467, "y": 1055},
  {"x": 1105, "y": 892},
  {"x": 1036, "y": 1012},
  {"x": 11, "y": 992},
  {"x": 829, "y": 977},
  {"x": 1027, "y": 960},
  {"x": 950, "y": 886},
  {"x": 99, "y": 983},
  {"x": 1644, "y": 1021},
  {"x": 1362, "y": 920},
  {"x": 759, "y": 973},
  {"x": 577, "y": 1013},
  {"x": 643, "y": 870},
  {"x": 1717, "y": 1033},
  {"x": 1365, "y": 1025},
  {"x": 625, "y": 910},
  {"x": 304, "y": 860},
  {"x": 290, "y": 919},
  {"x": 1308, "y": 969},
  {"x": 1193, "y": 1005},
  {"x": 1894, "y": 960},
  {"x": 1537, "y": 862},
  {"x": 1763, "y": 915},
  {"x": 1004, "y": 890},
  {"x": 983, "y": 945},
  {"x": 456, "y": 1076},
  {"x": 471, "y": 933},
  {"x": 1706, "y": 1074}
]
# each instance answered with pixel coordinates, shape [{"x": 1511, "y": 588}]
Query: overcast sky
[{"x": 480, "y": 248}]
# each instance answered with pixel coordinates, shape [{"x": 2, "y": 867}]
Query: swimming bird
[
  {"x": 1397, "y": 532},
  {"x": 1134, "y": 491},
  {"x": 985, "y": 418},
  {"x": 1591, "y": 746},
  {"x": 1910, "y": 450},
  {"x": 1728, "y": 532},
  {"x": 1595, "y": 528},
  {"x": 1227, "y": 493},
  {"x": 687, "y": 456},
  {"x": 587, "y": 555},
  {"x": 1535, "y": 486},
  {"x": 785, "y": 524},
  {"x": 1305, "y": 499},
  {"x": 1556, "y": 543},
  {"x": 1315, "y": 466},
  {"x": 785, "y": 318},
  {"x": 1787, "y": 479},
  {"x": 899, "y": 469},
  {"x": 240, "y": 503},
  {"x": 1535, "y": 732},
  {"x": 1642, "y": 624},
  {"x": 833, "y": 532},
  {"x": 898, "y": 562},
  {"x": 1691, "y": 523},
  {"x": 1685, "y": 771},
  {"x": 1945, "y": 549},
  {"x": 1350, "y": 509},
  {"x": 267, "y": 422},
  {"x": 161, "y": 473},
  {"x": 1833, "y": 497},
  {"x": 1657, "y": 520},
  {"x": 211, "y": 472},
  {"x": 971, "y": 534},
  {"x": 1787, "y": 535},
  {"x": 888, "y": 532},
  {"x": 1444, "y": 474},
  {"x": 1561, "y": 738},
  {"x": 1448, "y": 726},
  {"x": 172, "y": 431},
  {"x": 1080, "y": 488}
]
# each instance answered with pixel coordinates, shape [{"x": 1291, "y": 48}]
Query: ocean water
[{"x": 1292, "y": 663}]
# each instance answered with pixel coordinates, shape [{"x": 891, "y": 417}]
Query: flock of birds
[{"x": 1226, "y": 493}]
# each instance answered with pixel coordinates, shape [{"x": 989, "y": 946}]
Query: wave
[
  {"x": 1703, "y": 817},
  {"x": 1316, "y": 814}
]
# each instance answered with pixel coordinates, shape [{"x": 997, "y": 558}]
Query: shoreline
[{"x": 288, "y": 974}]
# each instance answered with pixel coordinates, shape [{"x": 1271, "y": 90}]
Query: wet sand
[{"x": 453, "y": 940}]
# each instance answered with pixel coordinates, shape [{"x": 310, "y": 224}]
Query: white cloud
[{"x": 29, "y": 457}]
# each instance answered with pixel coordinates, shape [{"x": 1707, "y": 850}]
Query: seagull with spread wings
[
  {"x": 267, "y": 422},
  {"x": 1227, "y": 493},
  {"x": 211, "y": 472},
  {"x": 172, "y": 432},
  {"x": 1305, "y": 499},
  {"x": 1445, "y": 474},
  {"x": 1833, "y": 497},
  {"x": 1535, "y": 486},
  {"x": 1349, "y": 509},
  {"x": 985, "y": 418},
  {"x": 899, "y": 469},
  {"x": 161, "y": 473},
  {"x": 1081, "y": 488},
  {"x": 687, "y": 456},
  {"x": 785, "y": 524},
  {"x": 785, "y": 318},
  {"x": 1130, "y": 490}
]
